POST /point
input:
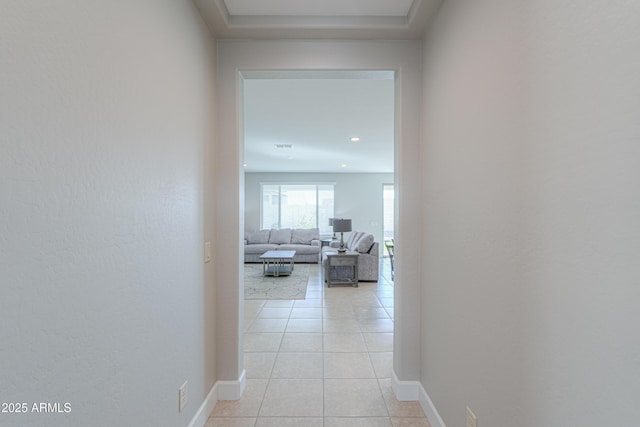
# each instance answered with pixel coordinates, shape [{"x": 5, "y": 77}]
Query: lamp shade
[{"x": 341, "y": 225}]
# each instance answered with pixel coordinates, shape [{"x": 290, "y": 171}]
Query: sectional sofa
[
  {"x": 368, "y": 254},
  {"x": 306, "y": 243}
]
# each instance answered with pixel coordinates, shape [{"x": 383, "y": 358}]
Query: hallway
[{"x": 320, "y": 362}]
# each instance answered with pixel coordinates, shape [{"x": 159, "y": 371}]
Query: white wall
[
  {"x": 357, "y": 196},
  {"x": 105, "y": 302},
  {"x": 402, "y": 57},
  {"x": 531, "y": 206}
]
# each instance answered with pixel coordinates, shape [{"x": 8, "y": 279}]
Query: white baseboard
[
  {"x": 412, "y": 391},
  {"x": 406, "y": 391},
  {"x": 202, "y": 415},
  {"x": 221, "y": 390},
  {"x": 232, "y": 390},
  {"x": 430, "y": 409}
]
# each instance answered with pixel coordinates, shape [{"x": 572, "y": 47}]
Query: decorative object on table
[{"x": 341, "y": 225}]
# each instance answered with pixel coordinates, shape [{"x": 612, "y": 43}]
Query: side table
[
  {"x": 325, "y": 242},
  {"x": 336, "y": 265}
]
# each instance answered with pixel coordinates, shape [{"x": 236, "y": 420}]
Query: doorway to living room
[
  {"x": 344, "y": 142},
  {"x": 236, "y": 61},
  {"x": 329, "y": 129}
]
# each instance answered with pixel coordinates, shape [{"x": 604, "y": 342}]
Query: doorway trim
[{"x": 235, "y": 57}]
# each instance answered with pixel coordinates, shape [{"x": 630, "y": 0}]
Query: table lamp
[
  {"x": 341, "y": 225},
  {"x": 331, "y": 225}
]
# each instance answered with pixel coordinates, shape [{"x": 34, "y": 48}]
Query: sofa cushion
[
  {"x": 257, "y": 236},
  {"x": 300, "y": 249},
  {"x": 279, "y": 237},
  {"x": 351, "y": 245},
  {"x": 259, "y": 248},
  {"x": 347, "y": 243},
  {"x": 304, "y": 236},
  {"x": 364, "y": 244}
]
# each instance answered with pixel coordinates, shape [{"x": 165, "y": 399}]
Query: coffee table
[{"x": 277, "y": 263}]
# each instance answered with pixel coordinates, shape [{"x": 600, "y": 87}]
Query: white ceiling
[
  {"x": 318, "y": 19},
  {"x": 319, "y": 8},
  {"x": 317, "y": 114}
]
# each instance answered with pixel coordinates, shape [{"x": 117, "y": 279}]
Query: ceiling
[
  {"x": 318, "y": 114},
  {"x": 319, "y": 8},
  {"x": 304, "y": 121},
  {"x": 318, "y": 19}
]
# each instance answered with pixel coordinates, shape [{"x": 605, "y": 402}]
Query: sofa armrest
[
  {"x": 316, "y": 242},
  {"x": 374, "y": 250},
  {"x": 246, "y": 242},
  {"x": 334, "y": 244}
]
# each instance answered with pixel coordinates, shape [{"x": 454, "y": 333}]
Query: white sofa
[
  {"x": 306, "y": 243},
  {"x": 368, "y": 258}
]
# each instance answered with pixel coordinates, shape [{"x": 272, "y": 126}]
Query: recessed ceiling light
[
  {"x": 355, "y": 138},
  {"x": 344, "y": 165},
  {"x": 245, "y": 165}
]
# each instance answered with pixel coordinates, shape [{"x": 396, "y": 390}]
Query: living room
[{"x": 317, "y": 135}]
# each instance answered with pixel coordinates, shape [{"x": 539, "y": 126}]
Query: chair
[{"x": 390, "y": 245}]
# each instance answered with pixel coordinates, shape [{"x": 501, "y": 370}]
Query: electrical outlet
[
  {"x": 182, "y": 397},
  {"x": 472, "y": 420},
  {"x": 207, "y": 251}
]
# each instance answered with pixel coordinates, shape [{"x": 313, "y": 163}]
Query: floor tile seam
[
  {"x": 386, "y": 405},
  {"x": 375, "y": 372},
  {"x": 350, "y": 378},
  {"x": 264, "y": 395},
  {"x": 279, "y": 347}
]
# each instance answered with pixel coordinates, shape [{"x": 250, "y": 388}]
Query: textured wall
[
  {"x": 105, "y": 119},
  {"x": 531, "y": 231}
]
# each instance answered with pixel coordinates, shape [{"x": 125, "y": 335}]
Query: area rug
[{"x": 257, "y": 286}]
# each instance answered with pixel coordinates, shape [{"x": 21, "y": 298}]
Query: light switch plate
[
  {"x": 207, "y": 251},
  {"x": 182, "y": 397},
  {"x": 472, "y": 420}
]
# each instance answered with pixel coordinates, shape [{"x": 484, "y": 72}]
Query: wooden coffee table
[{"x": 277, "y": 263}]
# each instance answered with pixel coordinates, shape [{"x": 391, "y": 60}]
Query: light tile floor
[{"x": 324, "y": 361}]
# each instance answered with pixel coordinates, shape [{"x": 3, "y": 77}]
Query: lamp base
[{"x": 342, "y": 249}]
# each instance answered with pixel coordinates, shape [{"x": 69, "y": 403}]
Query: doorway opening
[{"x": 314, "y": 128}]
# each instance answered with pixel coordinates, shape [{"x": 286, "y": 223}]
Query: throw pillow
[
  {"x": 347, "y": 243},
  {"x": 365, "y": 243},
  {"x": 280, "y": 237},
  {"x": 353, "y": 240},
  {"x": 304, "y": 236},
  {"x": 257, "y": 237}
]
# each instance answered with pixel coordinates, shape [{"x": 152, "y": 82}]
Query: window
[{"x": 297, "y": 206}]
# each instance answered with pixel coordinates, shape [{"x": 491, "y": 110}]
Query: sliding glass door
[{"x": 297, "y": 206}]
